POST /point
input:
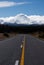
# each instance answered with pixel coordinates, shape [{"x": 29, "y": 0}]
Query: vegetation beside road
[
  {"x": 7, "y": 31},
  {"x": 39, "y": 35},
  {"x": 4, "y": 36}
]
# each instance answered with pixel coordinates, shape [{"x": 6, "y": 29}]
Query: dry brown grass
[
  {"x": 38, "y": 35},
  {"x": 12, "y": 34},
  {"x": 3, "y": 37}
]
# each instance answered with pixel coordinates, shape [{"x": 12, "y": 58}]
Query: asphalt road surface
[
  {"x": 10, "y": 50},
  {"x": 34, "y": 51}
]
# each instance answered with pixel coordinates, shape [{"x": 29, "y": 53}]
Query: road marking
[
  {"x": 17, "y": 62},
  {"x": 21, "y": 46},
  {"x": 22, "y": 55}
]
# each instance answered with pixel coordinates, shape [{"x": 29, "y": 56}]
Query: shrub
[{"x": 6, "y": 34}]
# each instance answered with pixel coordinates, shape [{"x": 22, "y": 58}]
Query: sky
[
  {"x": 14, "y": 7},
  {"x": 33, "y": 9}
]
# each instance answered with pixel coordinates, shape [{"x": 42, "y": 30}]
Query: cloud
[
  {"x": 9, "y": 4},
  {"x": 10, "y": 19},
  {"x": 23, "y": 19},
  {"x": 37, "y": 19}
]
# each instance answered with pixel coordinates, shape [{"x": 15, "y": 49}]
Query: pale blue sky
[{"x": 28, "y": 7}]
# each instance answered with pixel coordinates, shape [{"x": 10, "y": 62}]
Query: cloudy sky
[{"x": 10, "y": 8}]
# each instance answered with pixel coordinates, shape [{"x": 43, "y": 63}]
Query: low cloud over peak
[{"x": 23, "y": 19}]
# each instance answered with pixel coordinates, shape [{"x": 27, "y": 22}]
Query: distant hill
[{"x": 21, "y": 28}]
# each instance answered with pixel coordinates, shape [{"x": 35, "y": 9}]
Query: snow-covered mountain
[{"x": 22, "y": 19}]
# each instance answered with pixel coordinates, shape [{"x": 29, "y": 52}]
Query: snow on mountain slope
[{"x": 23, "y": 19}]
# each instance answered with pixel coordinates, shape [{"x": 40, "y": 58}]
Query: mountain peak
[{"x": 22, "y": 19}]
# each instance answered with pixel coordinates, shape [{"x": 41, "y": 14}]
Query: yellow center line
[{"x": 22, "y": 55}]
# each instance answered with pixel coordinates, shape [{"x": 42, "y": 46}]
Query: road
[
  {"x": 34, "y": 51},
  {"x": 11, "y": 51}
]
